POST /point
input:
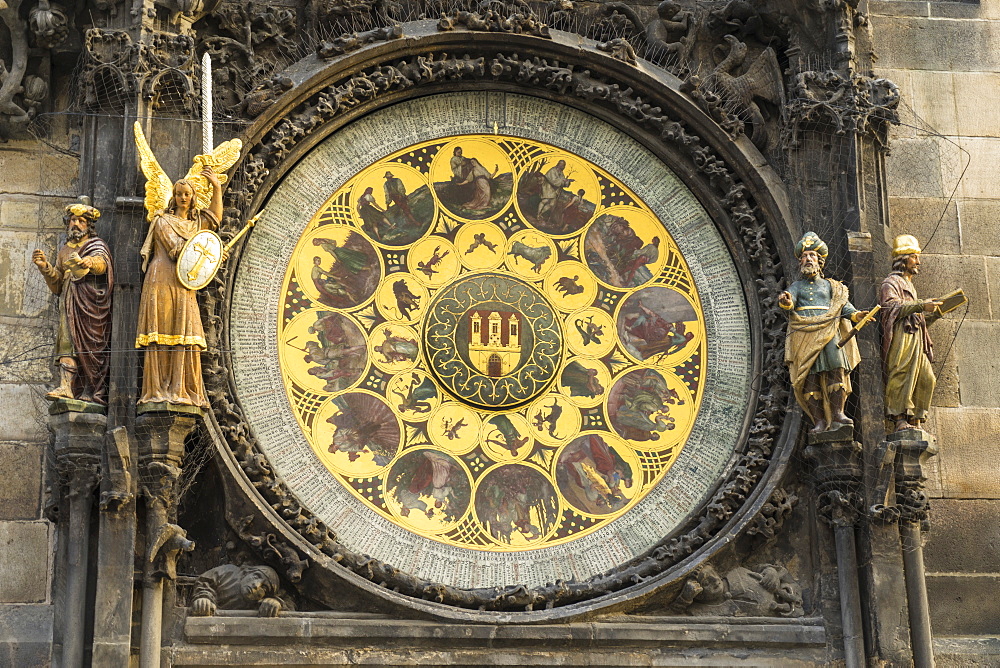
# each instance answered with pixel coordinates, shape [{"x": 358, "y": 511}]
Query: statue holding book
[{"x": 907, "y": 349}]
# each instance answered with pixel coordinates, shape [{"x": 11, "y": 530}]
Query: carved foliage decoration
[
  {"x": 857, "y": 104},
  {"x": 248, "y": 42},
  {"x": 374, "y": 82}
]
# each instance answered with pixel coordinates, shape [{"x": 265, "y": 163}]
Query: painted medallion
[{"x": 492, "y": 342}]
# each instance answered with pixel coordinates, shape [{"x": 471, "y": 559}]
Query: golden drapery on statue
[
  {"x": 809, "y": 335},
  {"x": 170, "y": 327}
]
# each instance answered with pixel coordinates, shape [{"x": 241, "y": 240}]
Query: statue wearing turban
[
  {"x": 907, "y": 349},
  {"x": 818, "y": 312}
]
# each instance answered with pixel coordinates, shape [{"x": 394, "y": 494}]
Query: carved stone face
[
  {"x": 254, "y": 586},
  {"x": 912, "y": 264},
  {"x": 713, "y": 586}
]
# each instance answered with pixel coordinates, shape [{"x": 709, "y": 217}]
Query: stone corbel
[
  {"x": 828, "y": 99},
  {"x": 116, "y": 473}
]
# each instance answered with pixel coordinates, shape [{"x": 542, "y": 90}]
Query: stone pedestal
[
  {"x": 836, "y": 458},
  {"x": 77, "y": 453},
  {"x": 914, "y": 448},
  {"x": 160, "y": 439}
]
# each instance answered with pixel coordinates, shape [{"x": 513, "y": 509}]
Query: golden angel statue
[{"x": 170, "y": 327}]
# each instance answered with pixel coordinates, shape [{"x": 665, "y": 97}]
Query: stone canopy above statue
[{"x": 490, "y": 343}]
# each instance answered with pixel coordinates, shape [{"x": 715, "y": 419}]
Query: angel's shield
[{"x": 199, "y": 260}]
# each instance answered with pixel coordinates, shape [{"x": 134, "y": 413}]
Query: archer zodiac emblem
[{"x": 505, "y": 434}]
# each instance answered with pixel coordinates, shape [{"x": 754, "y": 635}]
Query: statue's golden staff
[{"x": 861, "y": 323}]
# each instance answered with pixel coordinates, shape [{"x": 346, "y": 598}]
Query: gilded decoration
[{"x": 491, "y": 342}]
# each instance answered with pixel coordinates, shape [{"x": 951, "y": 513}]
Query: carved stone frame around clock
[{"x": 730, "y": 179}]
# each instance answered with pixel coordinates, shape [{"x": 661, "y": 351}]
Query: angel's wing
[
  {"x": 221, "y": 159},
  {"x": 158, "y": 184}
]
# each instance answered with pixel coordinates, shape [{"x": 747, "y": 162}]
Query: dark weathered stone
[
  {"x": 20, "y": 496},
  {"x": 964, "y": 604},
  {"x": 25, "y": 635},
  {"x": 965, "y": 537}
]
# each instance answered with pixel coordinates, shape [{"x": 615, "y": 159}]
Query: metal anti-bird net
[{"x": 108, "y": 88}]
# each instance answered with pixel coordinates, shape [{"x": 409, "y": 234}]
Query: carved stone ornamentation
[
  {"x": 488, "y": 18},
  {"x": 275, "y": 550},
  {"x": 506, "y": 66},
  {"x": 773, "y": 514},
  {"x": 230, "y": 587},
  {"x": 108, "y": 74},
  {"x": 857, "y": 104},
  {"x": 161, "y": 451},
  {"x": 764, "y": 591},
  {"x": 837, "y": 460},
  {"x": 619, "y": 49},
  {"x": 49, "y": 24},
  {"x": 22, "y": 93},
  {"x": 355, "y": 40},
  {"x": 117, "y": 474},
  {"x": 725, "y": 56},
  {"x": 247, "y": 43},
  {"x": 168, "y": 71},
  {"x": 264, "y": 95},
  {"x": 915, "y": 447}
]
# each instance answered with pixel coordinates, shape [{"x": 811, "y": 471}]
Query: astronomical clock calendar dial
[{"x": 495, "y": 349}]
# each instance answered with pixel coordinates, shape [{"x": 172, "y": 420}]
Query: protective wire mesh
[{"x": 108, "y": 89}]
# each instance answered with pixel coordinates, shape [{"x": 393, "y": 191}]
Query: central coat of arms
[{"x": 494, "y": 341}]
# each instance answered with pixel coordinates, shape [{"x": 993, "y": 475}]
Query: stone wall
[
  {"x": 36, "y": 182},
  {"x": 945, "y": 56}
]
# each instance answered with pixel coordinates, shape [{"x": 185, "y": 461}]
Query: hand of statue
[
  {"x": 931, "y": 305},
  {"x": 38, "y": 257},
  {"x": 785, "y": 300},
  {"x": 691, "y": 590},
  {"x": 857, "y": 316},
  {"x": 269, "y": 607},
  {"x": 211, "y": 176},
  {"x": 202, "y": 607}
]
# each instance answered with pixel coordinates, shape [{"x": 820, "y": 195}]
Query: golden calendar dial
[{"x": 491, "y": 342}]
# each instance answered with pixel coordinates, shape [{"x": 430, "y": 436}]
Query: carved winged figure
[
  {"x": 761, "y": 81},
  {"x": 170, "y": 327}
]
